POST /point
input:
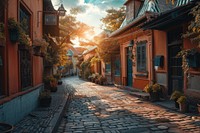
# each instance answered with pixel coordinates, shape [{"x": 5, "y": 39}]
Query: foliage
[
  {"x": 194, "y": 27},
  {"x": 70, "y": 27},
  {"x": 12, "y": 24},
  {"x": 184, "y": 54},
  {"x": 181, "y": 99},
  {"x": 106, "y": 48},
  {"x": 24, "y": 39},
  {"x": 94, "y": 60},
  {"x": 152, "y": 88},
  {"x": 193, "y": 33},
  {"x": 2, "y": 35},
  {"x": 175, "y": 95},
  {"x": 148, "y": 88},
  {"x": 56, "y": 51},
  {"x": 114, "y": 18},
  {"x": 57, "y": 76}
]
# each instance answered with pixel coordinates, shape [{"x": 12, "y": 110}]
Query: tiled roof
[{"x": 156, "y": 6}]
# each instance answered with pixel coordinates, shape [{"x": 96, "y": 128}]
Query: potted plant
[
  {"x": 2, "y": 34},
  {"x": 45, "y": 98},
  {"x": 182, "y": 101},
  {"x": 13, "y": 28},
  {"x": 198, "y": 107},
  {"x": 39, "y": 47},
  {"x": 175, "y": 95},
  {"x": 50, "y": 83},
  {"x": 154, "y": 91}
]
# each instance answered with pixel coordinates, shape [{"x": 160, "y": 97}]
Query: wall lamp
[
  {"x": 51, "y": 16},
  {"x": 130, "y": 45}
]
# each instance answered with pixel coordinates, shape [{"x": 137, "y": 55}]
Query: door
[
  {"x": 175, "y": 75},
  {"x": 129, "y": 68}
]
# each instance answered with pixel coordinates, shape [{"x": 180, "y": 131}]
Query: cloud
[{"x": 93, "y": 10}]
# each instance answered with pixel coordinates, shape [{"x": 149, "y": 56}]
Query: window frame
[{"x": 141, "y": 54}]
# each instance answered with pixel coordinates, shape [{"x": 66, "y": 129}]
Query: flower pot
[
  {"x": 14, "y": 35},
  {"x": 5, "y": 128},
  {"x": 45, "y": 101},
  {"x": 154, "y": 96},
  {"x": 183, "y": 107},
  {"x": 198, "y": 107}
]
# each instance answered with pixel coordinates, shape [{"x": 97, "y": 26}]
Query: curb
[{"x": 54, "y": 123}]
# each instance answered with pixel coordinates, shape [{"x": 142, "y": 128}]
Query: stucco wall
[{"x": 13, "y": 111}]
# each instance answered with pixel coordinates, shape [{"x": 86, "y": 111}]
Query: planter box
[{"x": 14, "y": 35}]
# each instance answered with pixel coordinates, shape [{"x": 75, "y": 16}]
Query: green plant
[
  {"x": 182, "y": 99},
  {"x": 156, "y": 88},
  {"x": 148, "y": 88},
  {"x": 175, "y": 95},
  {"x": 13, "y": 25}
]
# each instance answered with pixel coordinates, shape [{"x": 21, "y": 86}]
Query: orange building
[
  {"x": 168, "y": 29},
  {"x": 20, "y": 70},
  {"x": 137, "y": 64}
]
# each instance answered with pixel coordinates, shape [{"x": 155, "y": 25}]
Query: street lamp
[
  {"x": 61, "y": 10},
  {"x": 130, "y": 45}
]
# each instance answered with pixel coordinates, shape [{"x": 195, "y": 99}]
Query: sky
[{"x": 94, "y": 10}]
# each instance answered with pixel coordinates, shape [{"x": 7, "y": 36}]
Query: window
[
  {"x": 117, "y": 67},
  {"x": 141, "y": 56},
  {"x": 108, "y": 68},
  {"x": 24, "y": 54}
]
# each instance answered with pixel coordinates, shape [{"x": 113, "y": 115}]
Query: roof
[
  {"x": 183, "y": 2},
  {"x": 172, "y": 17},
  {"x": 150, "y": 7},
  {"x": 89, "y": 49}
]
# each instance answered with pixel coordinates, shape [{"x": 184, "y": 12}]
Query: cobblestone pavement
[
  {"x": 39, "y": 120},
  {"x": 104, "y": 109}
]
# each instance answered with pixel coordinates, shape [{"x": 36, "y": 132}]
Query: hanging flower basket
[
  {"x": 14, "y": 35},
  {"x": 6, "y": 128},
  {"x": 37, "y": 50}
]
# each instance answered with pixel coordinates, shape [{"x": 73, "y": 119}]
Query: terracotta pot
[
  {"x": 6, "y": 128},
  {"x": 198, "y": 107},
  {"x": 183, "y": 107}
]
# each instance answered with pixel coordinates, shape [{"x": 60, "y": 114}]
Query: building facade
[{"x": 20, "y": 70}]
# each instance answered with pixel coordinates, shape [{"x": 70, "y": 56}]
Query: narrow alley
[{"x": 107, "y": 109}]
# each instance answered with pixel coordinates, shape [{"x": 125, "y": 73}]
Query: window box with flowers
[
  {"x": 13, "y": 28},
  {"x": 39, "y": 47},
  {"x": 154, "y": 91},
  {"x": 2, "y": 35}
]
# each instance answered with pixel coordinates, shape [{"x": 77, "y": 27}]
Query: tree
[{"x": 114, "y": 18}]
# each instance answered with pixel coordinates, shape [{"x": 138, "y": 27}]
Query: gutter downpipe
[{"x": 152, "y": 58}]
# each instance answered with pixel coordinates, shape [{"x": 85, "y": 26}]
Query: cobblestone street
[{"x": 98, "y": 109}]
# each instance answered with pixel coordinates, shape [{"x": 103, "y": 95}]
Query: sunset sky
[{"x": 94, "y": 10}]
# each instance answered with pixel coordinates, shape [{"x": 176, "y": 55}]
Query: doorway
[
  {"x": 129, "y": 68},
  {"x": 175, "y": 71}
]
